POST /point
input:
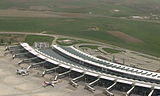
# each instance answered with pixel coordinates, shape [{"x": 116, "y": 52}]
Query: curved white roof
[
  {"x": 113, "y": 66},
  {"x": 86, "y": 71}
]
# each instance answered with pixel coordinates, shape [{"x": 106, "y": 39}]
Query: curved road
[{"x": 91, "y": 41}]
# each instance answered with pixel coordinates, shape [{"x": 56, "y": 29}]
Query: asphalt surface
[{"x": 31, "y": 85}]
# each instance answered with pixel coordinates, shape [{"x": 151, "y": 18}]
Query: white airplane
[
  {"x": 49, "y": 83},
  {"x": 6, "y": 48},
  {"x": 22, "y": 72}
]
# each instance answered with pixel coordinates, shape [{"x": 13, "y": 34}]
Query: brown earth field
[
  {"x": 41, "y": 14},
  {"x": 70, "y": 6},
  {"x": 24, "y": 0},
  {"x": 125, "y": 37},
  {"x": 39, "y": 8}
]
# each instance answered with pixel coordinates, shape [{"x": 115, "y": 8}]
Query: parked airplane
[
  {"x": 49, "y": 83},
  {"x": 22, "y": 72}
]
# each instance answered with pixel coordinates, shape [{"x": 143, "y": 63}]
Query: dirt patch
[
  {"x": 69, "y": 20},
  {"x": 75, "y": 15},
  {"x": 39, "y": 8},
  {"x": 21, "y": 13},
  {"x": 69, "y": 87},
  {"x": 158, "y": 70},
  {"x": 125, "y": 37},
  {"x": 24, "y": 1},
  {"x": 42, "y": 14},
  {"x": 11, "y": 38},
  {"x": 70, "y": 6}
]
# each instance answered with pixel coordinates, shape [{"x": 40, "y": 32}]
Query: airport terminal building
[{"x": 92, "y": 70}]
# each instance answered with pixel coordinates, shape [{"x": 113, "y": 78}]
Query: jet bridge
[
  {"x": 151, "y": 93},
  {"x": 108, "y": 89},
  {"x": 74, "y": 80},
  {"x": 28, "y": 60},
  {"x": 130, "y": 90},
  {"x": 36, "y": 64},
  {"x": 112, "y": 86},
  {"x": 48, "y": 71},
  {"x": 8, "y": 48},
  {"x": 16, "y": 50},
  {"x": 90, "y": 85},
  {"x": 62, "y": 74},
  {"x": 108, "y": 93},
  {"x": 19, "y": 54}
]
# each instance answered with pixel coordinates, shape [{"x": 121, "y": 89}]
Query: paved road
[
  {"x": 134, "y": 56},
  {"x": 91, "y": 41}
]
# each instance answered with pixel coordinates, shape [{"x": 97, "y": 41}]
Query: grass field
[
  {"x": 145, "y": 31},
  {"x": 30, "y": 39},
  {"x": 141, "y": 36},
  {"x": 103, "y": 7},
  {"x": 69, "y": 41},
  {"x": 90, "y": 46},
  {"x": 109, "y": 50}
]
